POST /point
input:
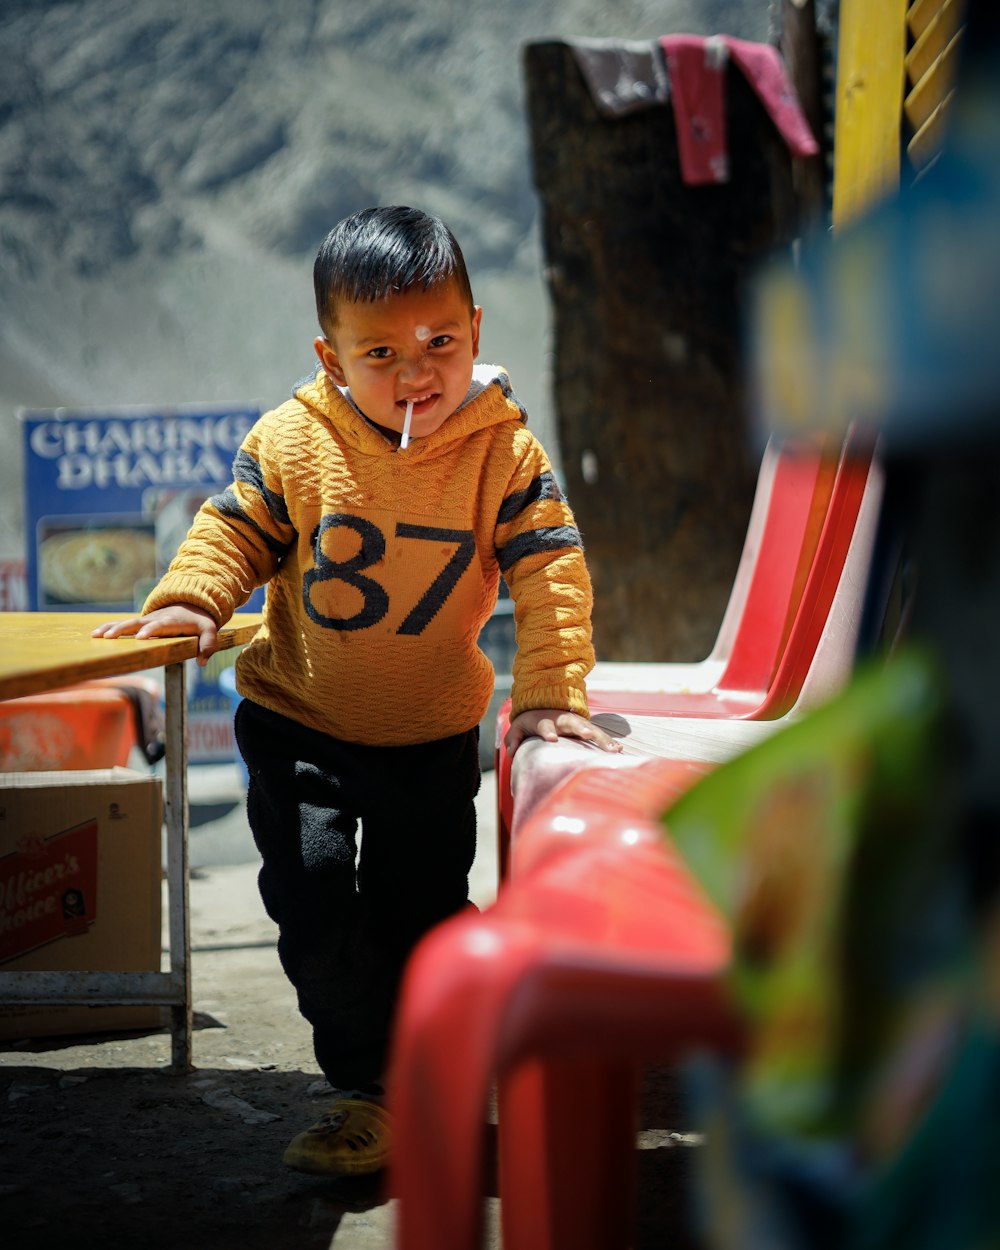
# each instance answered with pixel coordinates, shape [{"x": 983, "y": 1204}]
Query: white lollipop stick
[{"x": 406, "y": 425}]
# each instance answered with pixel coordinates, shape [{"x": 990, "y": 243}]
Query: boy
[{"x": 380, "y": 506}]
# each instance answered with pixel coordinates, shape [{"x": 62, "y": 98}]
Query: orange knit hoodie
[{"x": 382, "y": 565}]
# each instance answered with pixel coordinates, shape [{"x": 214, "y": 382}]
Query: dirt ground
[{"x": 100, "y": 1145}]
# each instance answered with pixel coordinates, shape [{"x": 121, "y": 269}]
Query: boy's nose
[{"x": 415, "y": 368}]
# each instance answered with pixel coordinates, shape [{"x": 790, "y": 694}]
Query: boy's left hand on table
[{"x": 553, "y": 724}]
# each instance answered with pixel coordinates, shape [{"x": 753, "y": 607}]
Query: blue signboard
[{"x": 109, "y": 495}]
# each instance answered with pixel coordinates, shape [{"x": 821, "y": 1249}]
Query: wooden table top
[{"x": 48, "y": 650}]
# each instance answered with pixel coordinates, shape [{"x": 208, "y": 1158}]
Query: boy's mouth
[{"x": 421, "y": 403}]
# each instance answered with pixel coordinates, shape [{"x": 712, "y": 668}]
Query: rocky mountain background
[{"x": 168, "y": 169}]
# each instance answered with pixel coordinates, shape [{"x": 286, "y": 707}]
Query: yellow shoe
[{"x": 351, "y": 1139}]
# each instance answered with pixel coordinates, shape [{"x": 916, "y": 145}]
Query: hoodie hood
[{"x": 489, "y": 401}]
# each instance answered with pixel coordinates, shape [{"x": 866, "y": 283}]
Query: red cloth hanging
[{"x": 697, "y": 68}]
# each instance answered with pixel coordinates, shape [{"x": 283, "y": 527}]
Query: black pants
[{"x": 346, "y": 921}]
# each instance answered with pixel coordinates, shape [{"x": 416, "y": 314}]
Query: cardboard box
[{"x": 80, "y": 889}]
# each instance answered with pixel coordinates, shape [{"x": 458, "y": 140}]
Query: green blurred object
[
  {"x": 865, "y": 1113},
  {"x": 822, "y": 847}
]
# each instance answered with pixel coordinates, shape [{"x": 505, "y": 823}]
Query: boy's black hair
[{"x": 379, "y": 252}]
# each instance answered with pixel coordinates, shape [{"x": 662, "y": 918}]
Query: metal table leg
[{"x": 176, "y": 808}]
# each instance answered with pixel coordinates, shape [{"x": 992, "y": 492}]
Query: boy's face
[{"x": 416, "y": 346}]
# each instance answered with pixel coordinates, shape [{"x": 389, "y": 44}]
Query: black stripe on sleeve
[
  {"x": 544, "y": 486},
  {"x": 553, "y": 538},
  {"x": 248, "y": 471},
  {"x": 228, "y": 505}
]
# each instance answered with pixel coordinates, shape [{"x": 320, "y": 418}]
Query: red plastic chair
[
  {"x": 814, "y": 661},
  {"x": 597, "y": 962},
  {"x": 791, "y": 498},
  {"x": 605, "y": 952}
]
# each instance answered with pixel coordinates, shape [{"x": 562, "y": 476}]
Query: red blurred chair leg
[
  {"x": 594, "y": 953},
  {"x": 454, "y": 997},
  {"x": 567, "y": 1154}
]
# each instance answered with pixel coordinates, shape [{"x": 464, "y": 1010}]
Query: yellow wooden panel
[
  {"x": 869, "y": 103},
  {"x": 934, "y": 86},
  {"x": 929, "y": 139},
  {"x": 933, "y": 40},
  {"x": 921, "y": 14}
]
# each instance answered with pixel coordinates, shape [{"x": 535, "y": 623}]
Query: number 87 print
[{"x": 375, "y": 597}]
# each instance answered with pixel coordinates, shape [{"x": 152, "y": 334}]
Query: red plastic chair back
[
  {"x": 801, "y": 497},
  {"x": 821, "y": 586},
  {"x": 784, "y": 616}
]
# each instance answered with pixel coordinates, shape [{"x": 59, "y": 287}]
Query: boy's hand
[
  {"x": 179, "y": 620},
  {"x": 552, "y": 724}
]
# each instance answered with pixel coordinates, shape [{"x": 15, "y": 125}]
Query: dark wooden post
[
  {"x": 647, "y": 279},
  {"x": 800, "y": 44}
]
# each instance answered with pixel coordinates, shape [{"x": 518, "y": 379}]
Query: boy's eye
[
  {"x": 380, "y": 353},
  {"x": 440, "y": 340}
]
